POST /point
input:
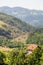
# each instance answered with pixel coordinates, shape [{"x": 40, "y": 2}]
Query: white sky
[{"x": 30, "y": 4}]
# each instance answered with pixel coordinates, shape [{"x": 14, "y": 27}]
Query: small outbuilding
[{"x": 31, "y": 47}]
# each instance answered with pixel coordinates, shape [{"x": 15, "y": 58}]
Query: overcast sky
[{"x": 30, "y": 4}]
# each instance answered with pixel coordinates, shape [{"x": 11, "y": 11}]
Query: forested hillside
[
  {"x": 36, "y": 37},
  {"x": 13, "y": 30}
]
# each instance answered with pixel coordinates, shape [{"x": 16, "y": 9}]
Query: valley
[
  {"x": 21, "y": 32},
  {"x": 16, "y": 35}
]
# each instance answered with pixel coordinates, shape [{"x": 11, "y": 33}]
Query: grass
[
  {"x": 2, "y": 23},
  {"x": 5, "y": 49},
  {"x": 21, "y": 38},
  {"x": 17, "y": 34},
  {"x": 41, "y": 62}
]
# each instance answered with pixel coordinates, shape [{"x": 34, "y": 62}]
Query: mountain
[
  {"x": 33, "y": 17},
  {"x": 11, "y": 27}
]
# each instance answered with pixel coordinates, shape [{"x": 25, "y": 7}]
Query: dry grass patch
[{"x": 5, "y": 49}]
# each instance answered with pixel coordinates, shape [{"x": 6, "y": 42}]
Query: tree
[{"x": 2, "y": 57}]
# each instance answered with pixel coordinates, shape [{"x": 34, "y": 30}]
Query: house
[{"x": 31, "y": 47}]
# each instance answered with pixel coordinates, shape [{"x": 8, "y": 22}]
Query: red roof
[{"x": 32, "y": 47}]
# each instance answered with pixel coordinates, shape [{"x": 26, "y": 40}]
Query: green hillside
[
  {"x": 13, "y": 30},
  {"x": 16, "y": 23},
  {"x": 12, "y": 27},
  {"x": 36, "y": 37}
]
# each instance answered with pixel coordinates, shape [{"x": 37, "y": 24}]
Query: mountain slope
[
  {"x": 33, "y": 17},
  {"x": 12, "y": 27},
  {"x": 13, "y": 21}
]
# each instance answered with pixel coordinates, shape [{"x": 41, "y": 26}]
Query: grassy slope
[
  {"x": 16, "y": 22},
  {"x": 8, "y": 28},
  {"x": 5, "y": 49},
  {"x": 15, "y": 33},
  {"x": 13, "y": 28}
]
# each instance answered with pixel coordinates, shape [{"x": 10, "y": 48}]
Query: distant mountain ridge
[{"x": 33, "y": 17}]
